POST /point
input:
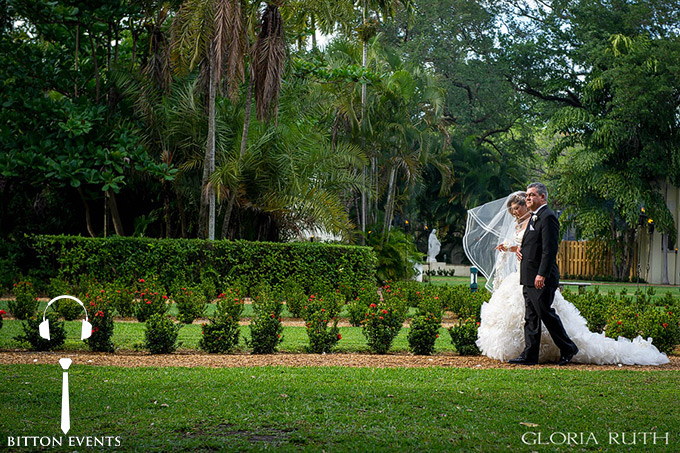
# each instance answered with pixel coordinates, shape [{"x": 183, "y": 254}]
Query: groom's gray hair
[{"x": 540, "y": 188}]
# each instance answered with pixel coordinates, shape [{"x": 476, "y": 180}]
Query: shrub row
[{"x": 313, "y": 266}]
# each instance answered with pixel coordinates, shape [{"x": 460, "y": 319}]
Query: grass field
[
  {"x": 130, "y": 335},
  {"x": 345, "y": 409}
]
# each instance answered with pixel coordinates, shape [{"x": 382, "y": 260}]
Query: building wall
[{"x": 650, "y": 252}]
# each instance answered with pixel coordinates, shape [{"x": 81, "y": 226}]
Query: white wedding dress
[{"x": 501, "y": 330}]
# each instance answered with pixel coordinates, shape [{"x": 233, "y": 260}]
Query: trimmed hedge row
[{"x": 126, "y": 259}]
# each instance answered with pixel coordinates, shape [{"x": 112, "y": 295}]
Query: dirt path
[{"x": 198, "y": 359}]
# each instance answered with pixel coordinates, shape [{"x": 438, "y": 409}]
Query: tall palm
[{"x": 210, "y": 34}]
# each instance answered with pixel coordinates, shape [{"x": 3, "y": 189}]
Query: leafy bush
[
  {"x": 122, "y": 299},
  {"x": 101, "y": 317},
  {"x": 31, "y": 334},
  {"x": 67, "y": 308},
  {"x": 150, "y": 299},
  {"x": 465, "y": 303},
  {"x": 464, "y": 337},
  {"x": 191, "y": 303},
  {"x": 265, "y": 328},
  {"x": 221, "y": 333},
  {"x": 194, "y": 260},
  {"x": 663, "y": 326},
  {"x": 294, "y": 295},
  {"x": 161, "y": 334},
  {"x": 622, "y": 322},
  {"x": 423, "y": 333},
  {"x": 357, "y": 308},
  {"x": 396, "y": 255},
  {"x": 317, "y": 314},
  {"x": 593, "y": 307},
  {"x": 381, "y": 325},
  {"x": 25, "y": 303}
]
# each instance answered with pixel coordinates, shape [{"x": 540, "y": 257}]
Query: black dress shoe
[
  {"x": 566, "y": 359},
  {"x": 522, "y": 361}
]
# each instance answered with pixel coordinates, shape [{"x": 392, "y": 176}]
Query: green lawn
[
  {"x": 130, "y": 335},
  {"x": 338, "y": 409}
]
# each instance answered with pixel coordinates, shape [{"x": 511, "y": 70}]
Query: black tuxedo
[
  {"x": 539, "y": 257},
  {"x": 539, "y": 249}
]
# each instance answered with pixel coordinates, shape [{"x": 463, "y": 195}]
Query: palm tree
[{"x": 210, "y": 34}]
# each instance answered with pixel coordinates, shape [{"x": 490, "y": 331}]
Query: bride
[{"x": 492, "y": 235}]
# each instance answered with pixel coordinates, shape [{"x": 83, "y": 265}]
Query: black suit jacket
[{"x": 539, "y": 249}]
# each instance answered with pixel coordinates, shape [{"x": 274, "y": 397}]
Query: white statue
[{"x": 433, "y": 247}]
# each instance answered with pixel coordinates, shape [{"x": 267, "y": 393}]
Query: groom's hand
[{"x": 539, "y": 283}]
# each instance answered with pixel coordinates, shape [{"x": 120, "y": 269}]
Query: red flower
[
  {"x": 664, "y": 325},
  {"x": 384, "y": 312},
  {"x": 436, "y": 297},
  {"x": 618, "y": 322},
  {"x": 164, "y": 296},
  {"x": 339, "y": 337},
  {"x": 382, "y": 317},
  {"x": 437, "y": 336},
  {"x": 141, "y": 280},
  {"x": 92, "y": 304},
  {"x": 373, "y": 305},
  {"x": 2, "y": 312},
  {"x": 100, "y": 313},
  {"x": 323, "y": 309},
  {"x": 148, "y": 302}
]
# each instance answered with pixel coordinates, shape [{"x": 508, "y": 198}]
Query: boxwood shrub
[{"x": 248, "y": 263}]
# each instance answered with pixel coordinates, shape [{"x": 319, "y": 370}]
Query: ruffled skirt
[{"x": 501, "y": 332}]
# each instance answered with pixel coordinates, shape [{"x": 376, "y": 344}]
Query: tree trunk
[
  {"x": 166, "y": 208},
  {"x": 75, "y": 88},
  {"x": 207, "y": 194},
  {"x": 88, "y": 218},
  {"x": 182, "y": 214},
  {"x": 115, "y": 215},
  {"x": 242, "y": 152},
  {"x": 93, "y": 44},
  {"x": 389, "y": 204}
]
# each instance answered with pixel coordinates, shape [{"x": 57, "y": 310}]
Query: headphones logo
[
  {"x": 65, "y": 363},
  {"x": 44, "y": 327}
]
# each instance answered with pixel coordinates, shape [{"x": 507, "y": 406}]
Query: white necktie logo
[
  {"x": 65, "y": 406},
  {"x": 86, "y": 332}
]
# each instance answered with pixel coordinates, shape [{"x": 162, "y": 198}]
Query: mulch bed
[{"x": 198, "y": 359}]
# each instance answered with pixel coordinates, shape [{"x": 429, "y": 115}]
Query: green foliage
[
  {"x": 662, "y": 325},
  {"x": 31, "y": 333},
  {"x": 129, "y": 259},
  {"x": 423, "y": 333},
  {"x": 464, "y": 337},
  {"x": 358, "y": 307},
  {"x": 265, "y": 328},
  {"x": 160, "y": 336},
  {"x": 318, "y": 313},
  {"x": 395, "y": 254},
  {"x": 381, "y": 325},
  {"x": 25, "y": 303},
  {"x": 294, "y": 295},
  {"x": 150, "y": 299},
  {"x": 465, "y": 303},
  {"x": 593, "y": 307},
  {"x": 122, "y": 298},
  {"x": 191, "y": 303},
  {"x": 221, "y": 333},
  {"x": 100, "y": 310}
]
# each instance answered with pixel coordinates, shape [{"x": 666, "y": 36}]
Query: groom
[{"x": 540, "y": 276}]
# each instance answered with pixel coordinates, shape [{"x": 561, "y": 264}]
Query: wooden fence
[{"x": 587, "y": 259}]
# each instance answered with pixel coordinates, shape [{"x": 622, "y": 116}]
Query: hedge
[{"x": 126, "y": 259}]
